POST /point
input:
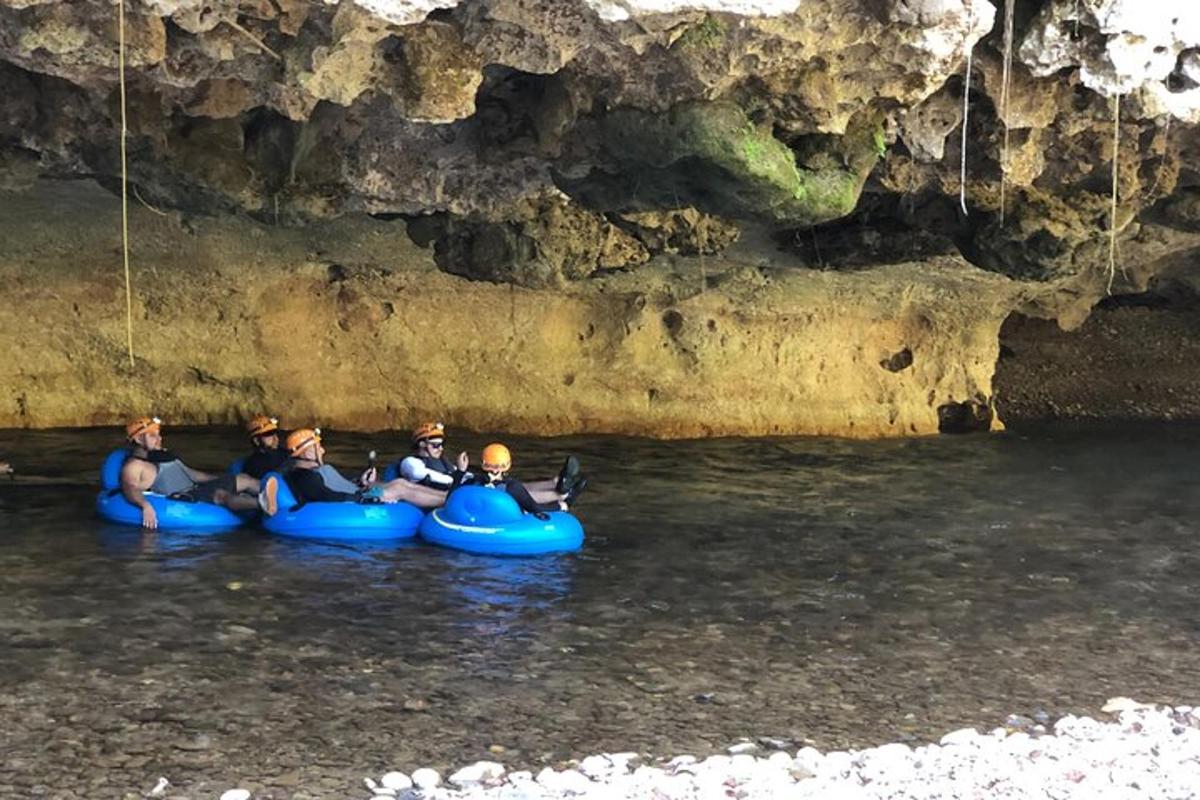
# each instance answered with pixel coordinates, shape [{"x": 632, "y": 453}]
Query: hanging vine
[
  {"x": 1005, "y": 81},
  {"x": 124, "y": 182},
  {"x": 1112, "y": 221},
  {"x": 962, "y": 172}
]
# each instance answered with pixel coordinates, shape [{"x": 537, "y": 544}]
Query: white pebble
[
  {"x": 595, "y": 766},
  {"x": 568, "y": 781},
  {"x": 236, "y": 794},
  {"x": 962, "y": 736},
  {"x": 396, "y": 781},
  {"x": 621, "y": 761},
  {"x": 477, "y": 773},
  {"x": 426, "y": 778}
]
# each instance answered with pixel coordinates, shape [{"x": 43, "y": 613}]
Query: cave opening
[{"x": 1136, "y": 356}]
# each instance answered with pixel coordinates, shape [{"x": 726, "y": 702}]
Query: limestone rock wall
[{"x": 348, "y": 324}]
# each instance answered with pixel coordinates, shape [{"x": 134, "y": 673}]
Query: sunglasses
[{"x": 432, "y": 443}]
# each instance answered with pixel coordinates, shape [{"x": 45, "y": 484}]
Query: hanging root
[
  {"x": 158, "y": 211},
  {"x": 1005, "y": 80},
  {"x": 962, "y": 173},
  {"x": 124, "y": 183},
  {"x": 1148, "y": 198},
  {"x": 1112, "y": 221},
  {"x": 257, "y": 42}
]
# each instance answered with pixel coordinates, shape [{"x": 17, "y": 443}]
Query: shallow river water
[{"x": 816, "y": 591}]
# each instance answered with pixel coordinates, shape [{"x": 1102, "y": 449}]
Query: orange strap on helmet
[
  {"x": 141, "y": 425},
  {"x": 496, "y": 458},
  {"x": 298, "y": 441},
  {"x": 428, "y": 430},
  {"x": 262, "y": 425}
]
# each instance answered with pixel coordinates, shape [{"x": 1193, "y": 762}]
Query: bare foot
[{"x": 267, "y": 499}]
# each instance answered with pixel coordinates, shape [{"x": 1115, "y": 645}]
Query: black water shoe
[
  {"x": 576, "y": 489},
  {"x": 568, "y": 475}
]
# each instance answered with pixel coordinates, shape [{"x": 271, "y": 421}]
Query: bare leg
[
  {"x": 419, "y": 496},
  {"x": 247, "y": 484},
  {"x": 544, "y": 495},
  {"x": 543, "y": 485}
]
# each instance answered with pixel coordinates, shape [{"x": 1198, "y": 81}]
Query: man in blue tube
[
  {"x": 313, "y": 481},
  {"x": 428, "y": 466},
  {"x": 496, "y": 463},
  {"x": 150, "y": 467}
]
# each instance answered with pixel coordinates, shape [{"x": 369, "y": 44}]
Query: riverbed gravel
[{"x": 1143, "y": 752}]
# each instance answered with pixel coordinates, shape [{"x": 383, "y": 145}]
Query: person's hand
[
  {"x": 463, "y": 461},
  {"x": 368, "y": 477},
  {"x": 562, "y": 505},
  {"x": 149, "y": 518},
  {"x": 6, "y": 468}
]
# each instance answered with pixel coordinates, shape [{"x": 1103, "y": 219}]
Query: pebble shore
[{"x": 1144, "y": 752}]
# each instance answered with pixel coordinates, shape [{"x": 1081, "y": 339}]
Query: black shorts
[{"x": 204, "y": 492}]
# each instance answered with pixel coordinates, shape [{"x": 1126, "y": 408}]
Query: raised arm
[{"x": 415, "y": 470}]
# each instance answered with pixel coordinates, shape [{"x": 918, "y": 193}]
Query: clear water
[{"x": 808, "y": 590}]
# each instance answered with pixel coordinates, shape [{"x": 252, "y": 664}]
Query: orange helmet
[
  {"x": 496, "y": 458},
  {"x": 262, "y": 425},
  {"x": 428, "y": 430},
  {"x": 141, "y": 425},
  {"x": 298, "y": 440}
]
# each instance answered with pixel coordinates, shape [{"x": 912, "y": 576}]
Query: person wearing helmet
[
  {"x": 149, "y": 467},
  {"x": 268, "y": 455},
  {"x": 312, "y": 480},
  {"x": 428, "y": 466},
  {"x": 496, "y": 463}
]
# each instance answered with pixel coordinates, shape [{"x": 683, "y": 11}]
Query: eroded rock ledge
[{"x": 348, "y": 323}]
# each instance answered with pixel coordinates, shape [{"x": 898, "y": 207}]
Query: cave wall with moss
[{"x": 554, "y": 160}]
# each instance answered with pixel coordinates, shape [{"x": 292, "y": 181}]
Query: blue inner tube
[
  {"x": 346, "y": 521},
  {"x": 172, "y": 514},
  {"x": 489, "y": 522}
]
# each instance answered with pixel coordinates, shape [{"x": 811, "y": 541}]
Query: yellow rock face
[{"x": 348, "y": 324}]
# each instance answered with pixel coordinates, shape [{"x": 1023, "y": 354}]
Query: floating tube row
[{"x": 475, "y": 519}]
